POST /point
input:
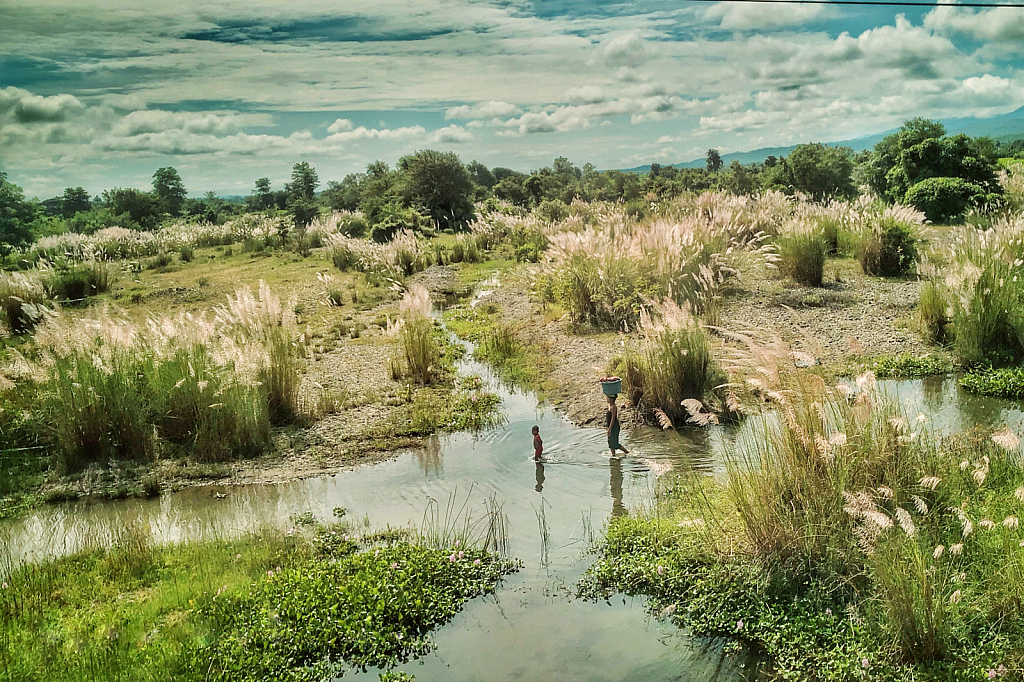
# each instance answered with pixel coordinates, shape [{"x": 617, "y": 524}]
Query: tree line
[{"x": 920, "y": 165}]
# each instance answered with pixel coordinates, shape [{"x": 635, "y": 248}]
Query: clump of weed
[
  {"x": 674, "y": 364},
  {"x": 23, "y": 302},
  {"x": 73, "y": 282},
  {"x": 802, "y": 252}
]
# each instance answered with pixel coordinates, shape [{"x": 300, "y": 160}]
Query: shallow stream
[{"x": 533, "y": 628}]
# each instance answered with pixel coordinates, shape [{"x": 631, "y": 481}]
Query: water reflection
[
  {"x": 540, "y": 477},
  {"x": 429, "y": 456},
  {"x": 615, "y": 465}
]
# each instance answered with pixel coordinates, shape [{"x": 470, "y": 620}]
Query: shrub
[
  {"x": 22, "y": 302},
  {"x": 160, "y": 261},
  {"x": 553, "y": 210},
  {"x": 73, "y": 282},
  {"x": 187, "y": 253},
  {"x": 910, "y": 367},
  {"x": 889, "y": 248},
  {"x": 989, "y": 321},
  {"x": 674, "y": 363},
  {"x": 944, "y": 199},
  {"x": 802, "y": 255}
]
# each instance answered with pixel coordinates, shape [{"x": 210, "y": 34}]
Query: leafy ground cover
[
  {"x": 303, "y": 604},
  {"x": 1003, "y": 382},
  {"x": 910, "y": 366}
]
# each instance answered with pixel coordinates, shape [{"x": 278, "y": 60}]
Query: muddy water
[{"x": 532, "y": 628}]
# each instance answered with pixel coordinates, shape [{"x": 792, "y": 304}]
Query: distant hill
[{"x": 1004, "y": 128}]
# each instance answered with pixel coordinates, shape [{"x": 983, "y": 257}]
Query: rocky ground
[{"x": 843, "y": 325}]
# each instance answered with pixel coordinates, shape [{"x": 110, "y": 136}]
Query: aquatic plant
[{"x": 843, "y": 537}]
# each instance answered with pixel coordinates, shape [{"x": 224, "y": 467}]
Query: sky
[{"x": 100, "y": 93}]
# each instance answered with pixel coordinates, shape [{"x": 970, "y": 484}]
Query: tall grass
[
  {"x": 673, "y": 365},
  {"x": 605, "y": 274},
  {"x": 418, "y": 346},
  {"x": 802, "y": 250},
  {"x": 387, "y": 263},
  {"x": 205, "y": 388},
  {"x": 980, "y": 275},
  {"x": 23, "y": 302},
  {"x": 840, "y": 521}
]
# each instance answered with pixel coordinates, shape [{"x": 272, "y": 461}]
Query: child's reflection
[{"x": 540, "y": 478}]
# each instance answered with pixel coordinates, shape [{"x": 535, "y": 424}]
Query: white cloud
[
  {"x": 341, "y": 125},
  {"x": 491, "y": 109},
  {"x": 759, "y": 16},
  {"x": 452, "y": 134},
  {"x": 364, "y": 133},
  {"x": 585, "y": 94},
  {"x": 27, "y": 108},
  {"x": 624, "y": 50},
  {"x": 157, "y": 121},
  {"x": 998, "y": 24}
]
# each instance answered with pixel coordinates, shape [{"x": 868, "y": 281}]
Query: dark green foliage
[
  {"x": 16, "y": 216},
  {"x": 262, "y": 197},
  {"x": 910, "y": 367},
  {"x": 74, "y": 200},
  {"x": 310, "y": 622},
  {"x": 944, "y": 200},
  {"x": 302, "y": 194},
  {"x": 142, "y": 209},
  {"x": 169, "y": 189},
  {"x": 186, "y": 253},
  {"x": 920, "y": 150},
  {"x": 440, "y": 184},
  {"x": 713, "y": 161},
  {"x": 818, "y": 170},
  {"x": 1006, "y": 382},
  {"x": 888, "y": 250}
]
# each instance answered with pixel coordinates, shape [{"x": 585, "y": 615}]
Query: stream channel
[{"x": 533, "y": 628}]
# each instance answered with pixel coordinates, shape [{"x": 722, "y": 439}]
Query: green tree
[
  {"x": 141, "y": 209},
  {"x": 481, "y": 175},
  {"x": 713, "y": 161},
  {"x": 440, "y": 184},
  {"x": 820, "y": 171},
  {"x": 74, "y": 200},
  {"x": 16, "y": 215},
  {"x": 262, "y": 197},
  {"x": 302, "y": 194},
  {"x": 921, "y": 150},
  {"x": 344, "y": 195},
  {"x": 169, "y": 189}
]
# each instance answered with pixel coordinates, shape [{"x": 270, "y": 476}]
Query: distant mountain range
[{"x": 1003, "y": 128}]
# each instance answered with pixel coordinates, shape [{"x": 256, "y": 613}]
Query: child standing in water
[
  {"x": 538, "y": 444},
  {"x": 611, "y": 419}
]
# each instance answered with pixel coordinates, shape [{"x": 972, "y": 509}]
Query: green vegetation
[
  {"x": 802, "y": 255},
  {"x": 1004, "y": 382},
  {"x": 843, "y": 541},
  {"x": 307, "y": 604},
  {"x": 674, "y": 370},
  {"x": 982, "y": 282},
  {"x": 910, "y": 366}
]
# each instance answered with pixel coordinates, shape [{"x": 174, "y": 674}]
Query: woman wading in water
[{"x": 611, "y": 420}]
